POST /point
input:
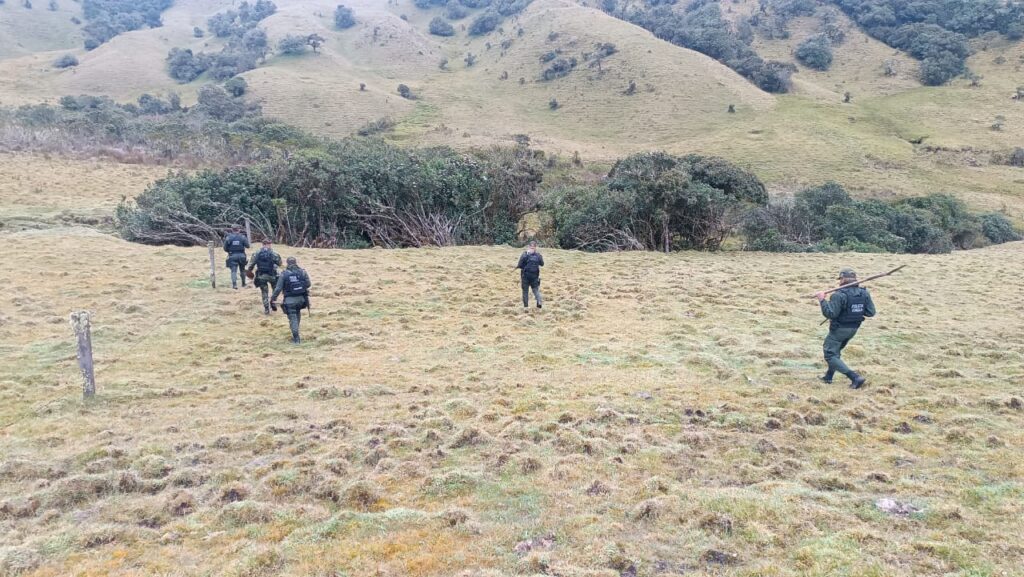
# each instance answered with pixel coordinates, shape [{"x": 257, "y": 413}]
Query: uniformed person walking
[
  {"x": 265, "y": 262},
  {"x": 235, "y": 244},
  {"x": 846, "y": 310},
  {"x": 294, "y": 283},
  {"x": 530, "y": 263}
]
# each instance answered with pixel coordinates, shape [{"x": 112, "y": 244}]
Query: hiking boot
[
  {"x": 857, "y": 381},
  {"x": 827, "y": 379},
  {"x": 540, "y": 306}
]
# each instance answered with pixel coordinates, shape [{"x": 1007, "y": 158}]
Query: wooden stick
[
  {"x": 81, "y": 323},
  {"x": 213, "y": 266},
  {"x": 857, "y": 282}
]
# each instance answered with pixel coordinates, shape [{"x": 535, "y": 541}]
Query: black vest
[
  {"x": 531, "y": 267},
  {"x": 853, "y": 314},
  {"x": 236, "y": 244},
  {"x": 265, "y": 262},
  {"x": 294, "y": 285}
]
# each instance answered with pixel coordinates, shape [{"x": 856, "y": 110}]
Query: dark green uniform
[
  {"x": 846, "y": 310},
  {"x": 235, "y": 245},
  {"x": 294, "y": 283},
  {"x": 265, "y": 262},
  {"x": 529, "y": 265}
]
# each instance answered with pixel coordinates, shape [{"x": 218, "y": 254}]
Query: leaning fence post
[
  {"x": 81, "y": 323},
  {"x": 248, "y": 231},
  {"x": 213, "y": 266}
]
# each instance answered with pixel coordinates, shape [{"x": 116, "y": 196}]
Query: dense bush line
[
  {"x": 220, "y": 129},
  {"x": 656, "y": 201},
  {"x": 700, "y": 26},
  {"x": 356, "y": 192},
  {"x": 826, "y": 218},
  {"x": 108, "y": 18},
  {"x": 936, "y": 31},
  {"x": 246, "y": 46}
]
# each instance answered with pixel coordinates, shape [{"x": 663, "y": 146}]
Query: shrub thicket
[
  {"x": 153, "y": 130},
  {"x": 702, "y": 27},
  {"x": 936, "y": 31},
  {"x": 108, "y": 18},
  {"x": 66, "y": 61},
  {"x": 656, "y": 201},
  {"x": 441, "y": 27},
  {"x": 826, "y": 218},
  {"x": 292, "y": 44},
  {"x": 344, "y": 17},
  {"x": 485, "y": 23},
  {"x": 246, "y": 45},
  {"x": 354, "y": 192},
  {"x": 815, "y": 52}
]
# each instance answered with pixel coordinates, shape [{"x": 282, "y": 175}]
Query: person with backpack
[
  {"x": 235, "y": 244},
  {"x": 846, "y": 310},
  {"x": 294, "y": 283},
  {"x": 265, "y": 263},
  {"x": 530, "y": 263}
]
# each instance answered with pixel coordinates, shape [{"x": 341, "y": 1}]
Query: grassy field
[{"x": 660, "y": 416}]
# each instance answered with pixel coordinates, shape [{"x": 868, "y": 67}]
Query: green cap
[{"x": 847, "y": 273}]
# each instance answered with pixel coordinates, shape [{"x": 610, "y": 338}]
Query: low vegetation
[
  {"x": 108, "y": 18},
  {"x": 827, "y": 219},
  {"x": 246, "y": 45}
]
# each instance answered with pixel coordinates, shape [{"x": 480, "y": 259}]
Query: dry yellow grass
[{"x": 660, "y": 416}]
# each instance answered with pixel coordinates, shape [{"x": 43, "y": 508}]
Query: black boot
[
  {"x": 827, "y": 377},
  {"x": 856, "y": 381}
]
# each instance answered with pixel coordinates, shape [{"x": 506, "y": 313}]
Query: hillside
[
  {"x": 660, "y": 416},
  {"x": 895, "y": 137}
]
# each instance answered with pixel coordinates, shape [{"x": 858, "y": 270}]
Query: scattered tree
[
  {"x": 236, "y": 86},
  {"x": 440, "y": 27},
  {"x": 815, "y": 52},
  {"x": 485, "y": 23},
  {"x": 344, "y": 17},
  {"x": 292, "y": 44},
  {"x": 553, "y": 104},
  {"x": 198, "y": 32},
  {"x": 66, "y": 61},
  {"x": 732, "y": 109},
  {"x": 470, "y": 59},
  {"x": 315, "y": 41},
  {"x": 405, "y": 92}
]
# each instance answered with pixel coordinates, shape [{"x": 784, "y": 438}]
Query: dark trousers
[
  {"x": 835, "y": 342},
  {"x": 236, "y": 262},
  {"x": 533, "y": 283}
]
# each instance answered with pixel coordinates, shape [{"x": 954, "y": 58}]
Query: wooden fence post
[
  {"x": 248, "y": 231},
  {"x": 81, "y": 323},
  {"x": 213, "y": 266}
]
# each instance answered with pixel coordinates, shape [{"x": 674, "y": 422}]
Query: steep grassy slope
[
  {"x": 26, "y": 31},
  {"x": 660, "y": 416},
  {"x": 895, "y": 138}
]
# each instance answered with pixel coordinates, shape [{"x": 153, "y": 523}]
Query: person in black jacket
[
  {"x": 294, "y": 283},
  {"x": 235, "y": 244},
  {"x": 846, "y": 310},
  {"x": 530, "y": 263}
]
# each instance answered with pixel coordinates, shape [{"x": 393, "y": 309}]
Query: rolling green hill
[{"x": 894, "y": 137}]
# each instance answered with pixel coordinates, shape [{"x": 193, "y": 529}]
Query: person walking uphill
[
  {"x": 265, "y": 262},
  {"x": 530, "y": 263},
  {"x": 294, "y": 283},
  {"x": 846, "y": 310},
  {"x": 235, "y": 244}
]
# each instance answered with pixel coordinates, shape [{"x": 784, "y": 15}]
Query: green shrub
[
  {"x": 344, "y": 17},
  {"x": 236, "y": 86},
  {"x": 656, "y": 201},
  {"x": 485, "y": 23},
  {"x": 998, "y": 229},
  {"x": 815, "y": 52},
  {"x": 292, "y": 44},
  {"x": 66, "y": 61},
  {"x": 440, "y": 27}
]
